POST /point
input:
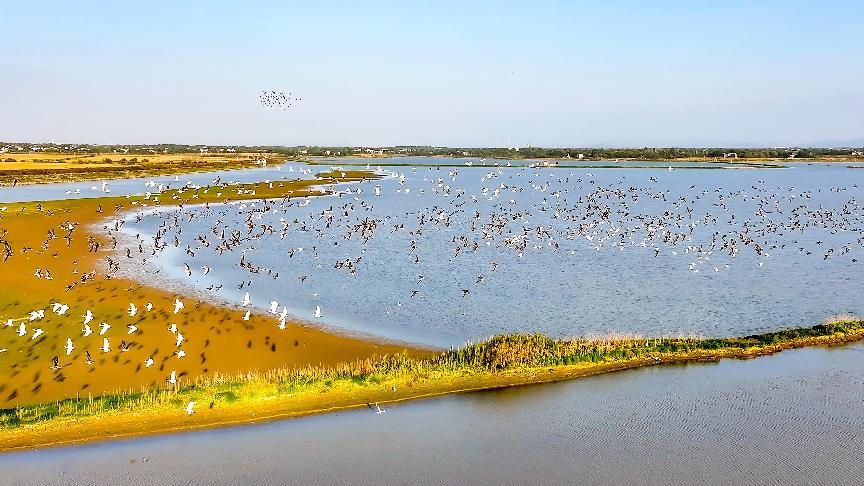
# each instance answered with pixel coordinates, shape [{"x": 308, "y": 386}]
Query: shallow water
[
  {"x": 792, "y": 418},
  {"x": 491, "y": 163},
  {"x": 123, "y": 187},
  {"x": 579, "y": 274}
]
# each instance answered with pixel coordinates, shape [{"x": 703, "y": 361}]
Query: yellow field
[{"x": 42, "y": 167}]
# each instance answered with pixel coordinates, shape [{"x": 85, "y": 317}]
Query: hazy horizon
[{"x": 552, "y": 74}]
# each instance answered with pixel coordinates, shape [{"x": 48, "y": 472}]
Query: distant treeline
[{"x": 645, "y": 153}]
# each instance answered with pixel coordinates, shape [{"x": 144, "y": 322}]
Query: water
[
  {"x": 792, "y": 418},
  {"x": 653, "y": 264},
  {"x": 123, "y": 187},
  {"x": 492, "y": 163}
]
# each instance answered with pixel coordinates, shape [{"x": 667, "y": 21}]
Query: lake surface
[
  {"x": 492, "y": 163},
  {"x": 459, "y": 254},
  {"x": 792, "y": 418}
]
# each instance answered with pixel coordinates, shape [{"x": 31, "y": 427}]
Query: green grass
[{"x": 495, "y": 355}]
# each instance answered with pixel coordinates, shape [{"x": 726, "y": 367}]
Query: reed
[{"x": 498, "y": 354}]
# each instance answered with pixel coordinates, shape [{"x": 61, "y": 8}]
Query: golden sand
[{"x": 40, "y": 167}]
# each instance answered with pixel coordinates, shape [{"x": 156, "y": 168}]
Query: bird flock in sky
[{"x": 277, "y": 99}]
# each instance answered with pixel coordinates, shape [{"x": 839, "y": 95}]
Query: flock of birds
[
  {"x": 277, "y": 99},
  {"x": 500, "y": 217},
  {"x": 483, "y": 222}
]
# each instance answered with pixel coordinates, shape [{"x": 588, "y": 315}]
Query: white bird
[
  {"x": 379, "y": 410},
  {"x": 9, "y": 322},
  {"x": 60, "y": 309},
  {"x": 132, "y": 310},
  {"x": 318, "y": 311},
  {"x": 181, "y": 354},
  {"x": 22, "y": 329},
  {"x": 148, "y": 363},
  {"x": 87, "y": 330},
  {"x": 148, "y": 306},
  {"x": 173, "y": 328},
  {"x": 246, "y": 315},
  {"x": 37, "y": 333},
  {"x": 132, "y": 328},
  {"x": 246, "y": 300},
  {"x": 104, "y": 328},
  {"x": 37, "y": 314},
  {"x": 282, "y": 317},
  {"x": 180, "y": 339},
  {"x": 88, "y": 317},
  {"x": 172, "y": 380},
  {"x": 105, "y": 346},
  {"x": 178, "y": 306},
  {"x": 189, "y": 408},
  {"x": 273, "y": 306}
]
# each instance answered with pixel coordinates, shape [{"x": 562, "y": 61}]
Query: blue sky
[{"x": 566, "y": 73}]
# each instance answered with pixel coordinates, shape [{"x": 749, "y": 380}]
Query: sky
[{"x": 470, "y": 74}]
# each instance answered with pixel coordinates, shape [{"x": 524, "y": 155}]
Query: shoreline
[
  {"x": 81, "y": 280},
  {"x": 317, "y": 377},
  {"x": 348, "y": 393},
  {"x": 34, "y": 169}
]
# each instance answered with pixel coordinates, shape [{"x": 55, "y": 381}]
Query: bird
[
  {"x": 189, "y": 407},
  {"x": 282, "y": 317},
  {"x": 172, "y": 379},
  {"x": 60, "y": 309},
  {"x": 379, "y": 410},
  {"x": 132, "y": 310},
  {"x": 69, "y": 346},
  {"x": 178, "y": 306},
  {"x": 318, "y": 311},
  {"x": 105, "y": 345}
]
